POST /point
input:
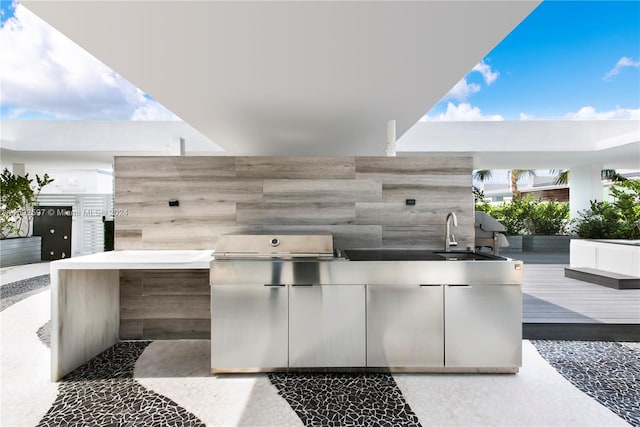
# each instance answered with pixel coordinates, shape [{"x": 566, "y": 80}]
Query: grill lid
[{"x": 250, "y": 246}]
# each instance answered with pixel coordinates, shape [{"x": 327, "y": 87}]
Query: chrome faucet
[{"x": 450, "y": 239}]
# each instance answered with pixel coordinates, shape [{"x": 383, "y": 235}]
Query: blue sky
[
  {"x": 560, "y": 61},
  {"x": 567, "y": 60}
]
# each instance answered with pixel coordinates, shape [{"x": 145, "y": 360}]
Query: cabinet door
[
  {"x": 248, "y": 326},
  {"x": 327, "y": 326},
  {"x": 405, "y": 326},
  {"x": 483, "y": 326}
]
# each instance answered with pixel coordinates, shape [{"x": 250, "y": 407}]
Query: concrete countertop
[{"x": 138, "y": 260}]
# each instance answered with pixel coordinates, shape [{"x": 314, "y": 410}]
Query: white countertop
[{"x": 138, "y": 260}]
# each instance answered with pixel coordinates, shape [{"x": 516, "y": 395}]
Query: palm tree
[
  {"x": 481, "y": 175},
  {"x": 562, "y": 176},
  {"x": 515, "y": 175}
]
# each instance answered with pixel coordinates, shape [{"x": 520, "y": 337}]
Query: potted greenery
[
  {"x": 18, "y": 196},
  {"x": 532, "y": 224}
]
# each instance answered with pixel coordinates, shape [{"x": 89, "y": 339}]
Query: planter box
[
  {"x": 515, "y": 243},
  {"x": 20, "y": 250},
  {"x": 546, "y": 243}
]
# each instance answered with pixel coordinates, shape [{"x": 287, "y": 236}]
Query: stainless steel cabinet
[
  {"x": 483, "y": 326},
  {"x": 405, "y": 326},
  {"x": 327, "y": 326},
  {"x": 249, "y": 326}
]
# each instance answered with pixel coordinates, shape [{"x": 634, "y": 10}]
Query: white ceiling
[
  {"x": 290, "y": 78},
  {"x": 530, "y": 144}
]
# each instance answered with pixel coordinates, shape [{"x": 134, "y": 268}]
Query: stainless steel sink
[
  {"x": 415, "y": 255},
  {"x": 392, "y": 255}
]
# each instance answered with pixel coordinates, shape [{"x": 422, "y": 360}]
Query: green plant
[
  {"x": 547, "y": 218},
  {"x": 527, "y": 215},
  {"x": 613, "y": 220},
  {"x": 17, "y": 198}
]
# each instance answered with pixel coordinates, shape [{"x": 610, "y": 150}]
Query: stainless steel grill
[{"x": 270, "y": 246}]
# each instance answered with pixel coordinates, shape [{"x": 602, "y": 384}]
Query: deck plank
[{"x": 549, "y": 297}]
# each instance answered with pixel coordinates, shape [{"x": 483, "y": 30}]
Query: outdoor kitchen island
[
  {"x": 285, "y": 303},
  {"x": 85, "y": 299},
  {"x": 461, "y": 313}
]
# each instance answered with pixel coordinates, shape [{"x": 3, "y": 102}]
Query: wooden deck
[{"x": 549, "y": 297}]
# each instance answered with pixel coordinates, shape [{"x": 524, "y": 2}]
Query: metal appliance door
[
  {"x": 405, "y": 326},
  {"x": 483, "y": 325},
  {"x": 327, "y": 326},
  {"x": 249, "y": 326}
]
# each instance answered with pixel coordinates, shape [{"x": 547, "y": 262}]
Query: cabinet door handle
[
  {"x": 459, "y": 286},
  {"x": 303, "y": 284},
  {"x": 429, "y": 285},
  {"x": 274, "y": 286}
]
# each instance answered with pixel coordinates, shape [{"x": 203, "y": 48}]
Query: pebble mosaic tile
[
  {"x": 102, "y": 392},
  {"x": 44, "y": 334},
  {"x": 607, "y": 371},
  {"x": 14, "y": 292},
  {"x": 349, "y": 399}
]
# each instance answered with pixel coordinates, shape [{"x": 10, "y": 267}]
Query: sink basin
[
  {"x": 414, "y": 255},
  {"x": 392, "y": 255},
  {"x": 466, "y": 256}
]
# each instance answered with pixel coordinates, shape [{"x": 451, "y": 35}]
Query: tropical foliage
[
  {"x": 613, "y": 220},
  {"x": 528, "y": 215},
  {"x": 18, "y": 195}
]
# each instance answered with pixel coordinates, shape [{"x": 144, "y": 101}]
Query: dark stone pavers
[
  {"x": 349, "y": 399},
  {"x": 606, "y": 371},
  {"x": 102, "y": 392},
  {"x": 14, "y": 292},
  {"x": 44, "y": 334}
]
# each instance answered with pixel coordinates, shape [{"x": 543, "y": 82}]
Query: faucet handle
[{"x": 452, "y": 240}]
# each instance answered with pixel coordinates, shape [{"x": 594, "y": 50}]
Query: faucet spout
[{"x": 450, "y": 239}]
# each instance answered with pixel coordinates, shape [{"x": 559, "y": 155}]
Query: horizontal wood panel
[
  {"x": 398, "y": 213},
  {"x": 126, "y": 239},
  {"x": 192, "y": 235},
  {"x": 413, "y": 165},
  {"x": 167, "y": 329},
  {"x": 450, "y": 192},
  {"x": 163, "y": 167},
  {"x": 131, "y": 329},
  {"x": 427, "y": 236},
  {"x": 130, "y": 282},
  {"x": 165, "y": 307},
  {"x": 128, "y": 190},
  {"x": 160, "y": 213},
  {"x": 295, "y": 213},
  {"x": 325, "y": 190},
  {"x": 296, "y": 167},
  {"x": 200, "y": 191},
  {"x": 175, "y": 282}
]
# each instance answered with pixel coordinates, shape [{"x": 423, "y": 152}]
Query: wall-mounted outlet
[
  {"x": 410, "y": 202},
  {"x": 174, "y": 202}
]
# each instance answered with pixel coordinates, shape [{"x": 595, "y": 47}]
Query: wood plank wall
[{"x": 360, "y": 200}]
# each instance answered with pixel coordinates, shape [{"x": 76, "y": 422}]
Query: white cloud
[
  {"x": 590, "y": 113},
  {"x": 462, "y": 90},
  {"x": 525, "y": 116},
  {"x": 488, "y": 74},
  {"x": 462, "y": 112},
  {"x": 45, "y": 72},
  {"x": 622, "y": 63}
]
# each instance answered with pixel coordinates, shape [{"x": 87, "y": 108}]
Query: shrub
[
  {"x": 17, "y": 197},
  {"x": 548, "y": 218},
  {"x": 617, "y": 220},
  {"x": 527, "y": 215}
]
